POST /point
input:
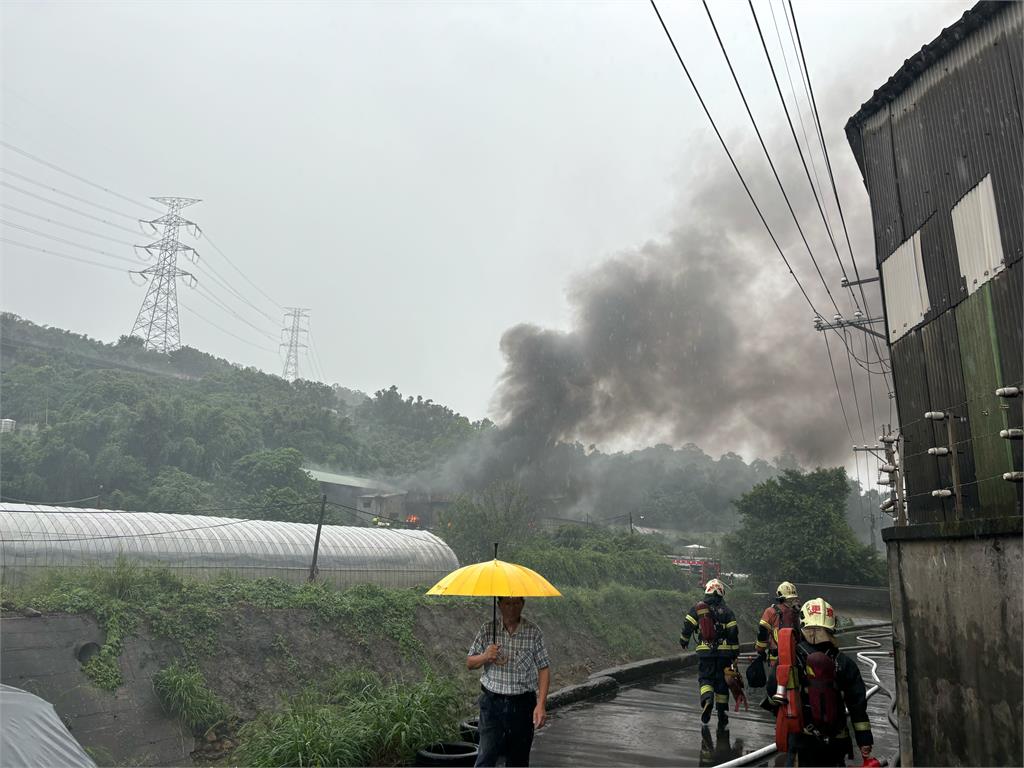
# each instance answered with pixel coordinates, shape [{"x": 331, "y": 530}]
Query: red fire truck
[{"x": 703, "y": 569}]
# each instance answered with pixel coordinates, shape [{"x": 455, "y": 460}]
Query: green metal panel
[{"x": 982, "y": 370}]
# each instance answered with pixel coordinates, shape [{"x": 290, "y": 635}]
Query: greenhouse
[{"x": 34, "y": 538}]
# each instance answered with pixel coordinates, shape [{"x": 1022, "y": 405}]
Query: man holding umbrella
[{"x": 514, "y": 684}]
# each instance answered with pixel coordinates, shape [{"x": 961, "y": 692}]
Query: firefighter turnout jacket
[
  {"x": 852, "y": 692},
  {"x": 725, "y": 642},
  {"x": 776, "y": 616}
]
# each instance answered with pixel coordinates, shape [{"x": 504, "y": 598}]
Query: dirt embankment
[{"x": 264, "y": 655}]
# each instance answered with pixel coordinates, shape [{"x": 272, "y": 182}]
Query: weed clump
[
  {"x": 184, "y": 693},
  {"x": 353, "y": 719}
]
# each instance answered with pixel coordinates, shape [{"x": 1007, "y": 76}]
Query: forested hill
[{"x": 189, "y": 431}]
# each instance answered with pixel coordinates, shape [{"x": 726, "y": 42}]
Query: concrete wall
[
  {"x": 126, "y": 727},
  {"x": 958, "y": 624}
]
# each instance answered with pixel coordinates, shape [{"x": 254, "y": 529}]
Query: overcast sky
[{"x": 422, "y": 176}]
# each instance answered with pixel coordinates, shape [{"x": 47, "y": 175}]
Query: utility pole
[
  {"x": 157, "y": 321},
  {"x": 631, "y": 523},
  {"x": 893, "y": 467},
  {"x": 293, "y": 330},
  {"x": 316, "y": 542},
  {"x": 859, "y": 322}
]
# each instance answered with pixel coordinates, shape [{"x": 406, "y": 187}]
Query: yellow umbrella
[{"x": 494, "y": 578}]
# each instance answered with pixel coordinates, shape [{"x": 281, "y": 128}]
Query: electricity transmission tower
[
  {"x": 157, "y": 321},
  {"x": 294, "y": 330}
]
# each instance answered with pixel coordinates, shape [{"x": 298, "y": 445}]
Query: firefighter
[
  {"x": 831, "y": 686},
  {"x": 783, "y": 612},
  {"x": 714, "y": 624}
]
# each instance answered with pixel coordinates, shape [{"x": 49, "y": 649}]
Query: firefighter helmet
[
  {"x": 818, "y": 613},
  {"x": 714, "y": 587},
  {"x": 786, "y": 591}
]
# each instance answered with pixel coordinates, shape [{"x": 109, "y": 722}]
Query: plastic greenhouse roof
[{"x": 47, "y": 536}]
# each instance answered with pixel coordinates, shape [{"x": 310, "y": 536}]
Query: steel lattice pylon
[
  {"x": 293, "y": 329},
  {"x": 157, "y": 321}
]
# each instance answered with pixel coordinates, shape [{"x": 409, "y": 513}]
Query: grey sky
[{"x": 422, "y": 175}]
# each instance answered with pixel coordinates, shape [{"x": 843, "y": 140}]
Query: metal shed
[{"x": 34, "y": 537}]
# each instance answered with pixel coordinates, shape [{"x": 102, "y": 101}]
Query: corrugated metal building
[{"x": 940, "y": 149}]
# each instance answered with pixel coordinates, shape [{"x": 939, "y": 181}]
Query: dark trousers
[
  {"x": 810, "y": 751},
  {"x": 711, "y": 677},
  {"x": 506, "y": 728}
]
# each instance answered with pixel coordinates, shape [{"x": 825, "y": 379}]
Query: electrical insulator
[
  {"x": 940, "y": 451},
  {"x": 886, "y": 505},
  {"x": 1008, "y": 392},
  {"x": 883, "y": 481},
  {"x": 888, "y": 439},
  {"x": 1014, "y": 477},
  {"x": 935, "y": 415},
  {"x": 887, "y": 468},
  {"x": 1011, "y": 434},
  {"x": 942, "y": 493}
]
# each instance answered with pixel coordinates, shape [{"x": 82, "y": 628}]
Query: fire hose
[{"x": 866, "y": 653}]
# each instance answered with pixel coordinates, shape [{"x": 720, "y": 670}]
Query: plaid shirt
[{"x": 525, "y": 651}]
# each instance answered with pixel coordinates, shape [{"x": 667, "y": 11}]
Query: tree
[
  {"x": 794, "y": 528},
  {"x": 502, "y": 513},
  {"x": 177, "y": 491}
]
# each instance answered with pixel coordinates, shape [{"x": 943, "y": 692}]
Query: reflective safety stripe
[
  {"x": 761, "y": 644},
  {"x": 765, "y": 624},
  {"x": 692, "y": 620},
  {"x": 721, "y": 698},
  {"x": 706, "y": 689},
  {"x": 702, "y": 647},
  {"x": 862, "y": 726},
  {"x": 728, "y": 647},
  {"x": 730, "y": 624},
  {"x": 702, "y": 611}
]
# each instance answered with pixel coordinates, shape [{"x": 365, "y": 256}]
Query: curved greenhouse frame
[{"x": 33, "y": 538}]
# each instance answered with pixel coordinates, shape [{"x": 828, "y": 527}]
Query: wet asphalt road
[{"x": 657, "y": 723}]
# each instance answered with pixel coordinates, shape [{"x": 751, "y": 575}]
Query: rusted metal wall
[
  {"x": 945, "y": 133},
  {"x": 981, "y": 362},
  {"x": 946, "y": 389},
  {"x": 922, "y": 473}
]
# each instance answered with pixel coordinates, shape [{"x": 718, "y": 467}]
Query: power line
[
  {"x": 839, "y": 393},
  {"x": 62, "y": 255},
  {"x": 30, "y": 180},
  {"x": 796, "y": 104},
  {"x": 48, "y": 503},
  {"x": 214, "y": 299},
  {"x": 799, "y": 149},
  {"x": 67, "y": 242},
  {"x": 23, "y": 212},
  {"x": 768, "y": 156},
  {"x": 828, "y": 165},
  {"x": 66, "y": 207},
  {"x": 732, "y": 161},
  {"x": 223, "y": 283},
  {"x": 75, "y": 176},
  {"x": 239, "y": 271},
  {"x": 222, "y": 330}
]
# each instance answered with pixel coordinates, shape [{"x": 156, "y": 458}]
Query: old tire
[
  {"x": 469, "y": 730},
  {"x": 448, "y": 753}
]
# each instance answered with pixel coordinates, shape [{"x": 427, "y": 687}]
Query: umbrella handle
[{"x": 494, "y": 608}]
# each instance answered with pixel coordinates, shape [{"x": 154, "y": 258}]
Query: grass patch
[
  {"x": 353, "y": 719},
  {"x": 183, "y": 692}
]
